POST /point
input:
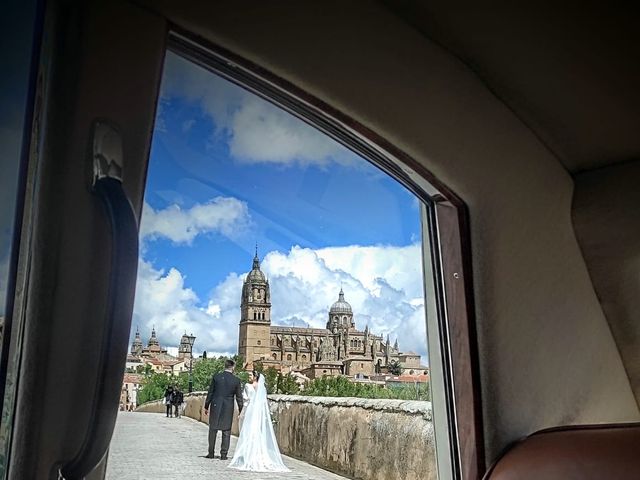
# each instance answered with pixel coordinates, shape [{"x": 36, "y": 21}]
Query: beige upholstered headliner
[
  {"x": 547, "y": 354},
  {"x": 607, "y": 222},
  {"x": 571, "y": 75}
]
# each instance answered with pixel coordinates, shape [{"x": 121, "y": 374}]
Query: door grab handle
[{"x": 107, "y": 184}]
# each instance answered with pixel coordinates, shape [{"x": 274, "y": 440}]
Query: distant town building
[
  {"x": 131, "y": 383},
  {"x": 153, "y": 348},
  {"x": 157, "y": 357},
  {"x": 339, "y": 348}
]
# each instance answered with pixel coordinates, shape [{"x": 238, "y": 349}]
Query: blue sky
[{"x": 227, "y": 170}]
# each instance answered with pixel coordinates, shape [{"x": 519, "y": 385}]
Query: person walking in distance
[
  {"x": 225, "y": 386},
  {"x": 178, "y": 398},
  {"x": 168, "y": 395}
]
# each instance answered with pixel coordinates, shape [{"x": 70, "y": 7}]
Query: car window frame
[{"x": 452, "y": 340}]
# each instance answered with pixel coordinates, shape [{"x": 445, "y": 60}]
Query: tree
[
  {"x": 239, "y": 361},
  {"x": 287, "y": 384},
  {"x": 271, "y": 380},
  {"x": 331, "y": 387},
  {"x": 395, "y": 368},
  {"x": 205, "y": 368},
  {"x": 153, "y": 386},
  {"x": 243, "y": 376},
  {"x": 203, "y": 371},
  {"x": 342, "y": 387}
]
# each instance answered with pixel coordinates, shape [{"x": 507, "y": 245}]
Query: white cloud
[
  {"x": 163, "y": 301},
  {"x": 264, "y": 133},
  {"x": 383, "y": 284},
  {"x": 173, "y": 351},
  {"x": 255, "y": 130},
  {"x": 400, "y": 267},
  {"x": 226, "y": 215}
]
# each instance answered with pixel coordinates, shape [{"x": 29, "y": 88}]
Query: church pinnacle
[
  {"x": 154, "y": 339},
  {"x": 256, "y": 260}
]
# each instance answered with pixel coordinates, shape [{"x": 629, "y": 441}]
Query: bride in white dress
[{"x": 257, "y": 449}]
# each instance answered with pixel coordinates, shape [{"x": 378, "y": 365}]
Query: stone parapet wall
[{"x": 369, "y": 439}]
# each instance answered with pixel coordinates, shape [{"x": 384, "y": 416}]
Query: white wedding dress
[{"x": 257, "y": 449}]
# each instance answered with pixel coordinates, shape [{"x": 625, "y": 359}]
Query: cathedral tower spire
[
  {"x": 255, "y": 315},
  {"x": 136, "y": 346},
  {"x": 256, "y": 260},
  {"x": 153, "y": 340},
  {"x": 154, "y": 344}
]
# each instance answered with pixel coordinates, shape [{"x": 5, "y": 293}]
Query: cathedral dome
[
  {"x": 256, "y": 275},
  {"x": 341, "y": 306}
]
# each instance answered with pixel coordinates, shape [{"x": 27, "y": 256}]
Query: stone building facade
[
  {"x": 153, "y": 348},
  {"x": 155, "y": 355},
  {"x": 339, "y": 348}
]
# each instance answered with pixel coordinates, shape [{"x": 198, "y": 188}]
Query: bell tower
[
  {"x": 136, "y": 346},
  {"x": 255, "y": 316}
]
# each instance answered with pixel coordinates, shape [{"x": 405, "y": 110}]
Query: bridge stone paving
[{"x": 152, "y": 446}]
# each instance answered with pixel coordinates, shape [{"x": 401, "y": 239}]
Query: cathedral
[
  {"x": 156, "y": 355},
  {"x": 339, "y": 348}
]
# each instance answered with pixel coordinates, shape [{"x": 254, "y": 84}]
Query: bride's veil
[{"x": 257, "y": 448}]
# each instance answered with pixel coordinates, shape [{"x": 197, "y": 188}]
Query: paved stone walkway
[{"x": 152, "y": 446}]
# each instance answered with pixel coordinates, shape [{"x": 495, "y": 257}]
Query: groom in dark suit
[{"x": 224, "y": 386}]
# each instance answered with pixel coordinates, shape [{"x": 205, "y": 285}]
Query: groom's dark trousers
[
  {"x": 224, "y": 447},
  {"x": 224, "y": 387}
]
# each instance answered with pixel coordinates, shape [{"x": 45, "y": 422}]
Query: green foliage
[
  {"x": 395, "y": 368},
  {"x": 239, "y": 359},
  {"x": 271, "y": 379},
  {"x": 243, "y": 376},
  {"x": 154, "y": 384},
  {"x": 203, "y": 371},
  {"x": 275, "y": 382},
  {"x": 270, "y": 376},
  {"x": 287, "y": 384},
  {"x": 343, "y": 387},
  {"x": 416, "y": 391}
]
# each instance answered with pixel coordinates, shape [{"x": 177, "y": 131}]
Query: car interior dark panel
[{"x": 96, "y": 64}]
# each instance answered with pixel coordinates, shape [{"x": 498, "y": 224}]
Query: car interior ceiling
[{"x": 530, "y": 114}]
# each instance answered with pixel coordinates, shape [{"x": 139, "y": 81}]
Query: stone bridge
[
  {"x": 368, "y": 439},
  {"x": 152, "y": 446}
]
